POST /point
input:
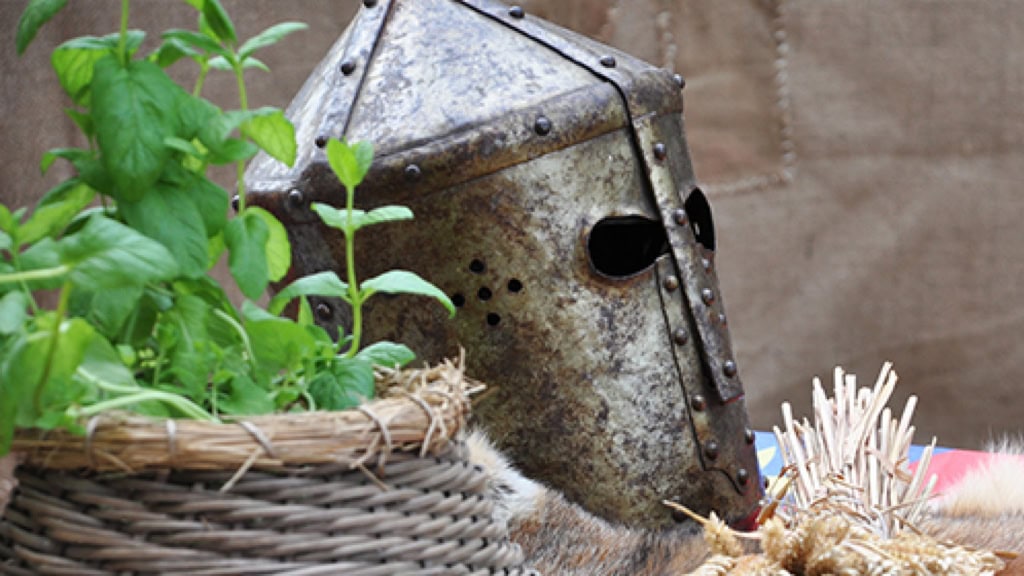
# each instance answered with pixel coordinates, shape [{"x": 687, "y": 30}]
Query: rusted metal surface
[{"x": 550, "y": 180}]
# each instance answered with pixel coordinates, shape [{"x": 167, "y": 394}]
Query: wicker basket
[{"x": 385, "y": 489}]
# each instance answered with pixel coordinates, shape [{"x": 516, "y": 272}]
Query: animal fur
[{"x": 986, "y": 510}]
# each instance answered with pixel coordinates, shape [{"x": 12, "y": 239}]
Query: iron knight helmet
[{"x": 555, "y": 203}]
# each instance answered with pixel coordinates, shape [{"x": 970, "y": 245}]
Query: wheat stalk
[
  {"x": 846, "y": 495},
  {"x": 855, "y": 454}
]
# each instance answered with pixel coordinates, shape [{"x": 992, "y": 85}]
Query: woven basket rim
[{"x": 416, "y": 409}]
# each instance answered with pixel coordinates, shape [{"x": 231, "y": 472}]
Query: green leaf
[
  {"x": 279, "y": 344},
  {"x": 255, "y": 63},
  {"x": 243, "y": 396},
  {"x": 135, "y": 109},
  {"x": 107, "y": 309},
  {"x": 196, "y": 115},
  {"x": 218, "y": 21},
  {"x": 75, "y": 60},
  {"x": 347, "y": 383},
  {"x": 324, "y": 283},
  {"x": 231, "y": 151},
  {"x": 108, "y": 254},
  {"x": 37, "y": 13},
  {"x": 5, "y": 241},
  {"x": 252, "y": 312},
  {"x": 215, "y": 248},
  {"x": 56, "y": 210},
  {"x": 13, "y": 312},
  {"x": 74, "y": 68},
  {"x": 8, "y": 222},
  {"x": 272, "y": 132},
  {"x": 42, "y": 255},
  {"x": 387, "y": 354},
  {"x": 268, "y": 37},
  {"x": 82, "y": 120},
  {"x": 23, "y": 370},
  {"x": 209, "y": 199},
  {"x": 73, "y": 155},
  {"x": 171, "y": 50},
  {"x": 221, "y": 64},
  {"x": 405, "y": 282},
  {"x": 246, "y": 237},
  {"x": 168, "y": 215},
  {"x": 101, "y": 362},
  {"x": 349, "y": 163},
  {"x": 224, "y": 65},
  {"x": 339, "y": 218},
  {"x": 138, "y": 326},
  {"x": 183, "y": 146},
  {"x": 278, "y": 249},
  {"x": 194, "y": 40},
  {"x": 90, "y": 170},
  {"x": 305, "y": 314},
  {"x": 378, "y": 215}
]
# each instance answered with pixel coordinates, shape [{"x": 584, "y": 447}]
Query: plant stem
[
  {"x": 243, "y": 102},
  {"x": 350, "y": 269},
  {"x": 22, "y": 283},
  {"x": 241, "y": 334},
  {"x": 62, "y": 309},
  {"x": 204, "y": 69},
  {"x": 184, "y": 405},
  {"x": 122, "y": 45},
  {"x": 28, "y": 275}
]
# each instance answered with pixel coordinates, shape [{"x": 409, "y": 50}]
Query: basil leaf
[
  {"x": 405, "y": 282},
  {"x": 168, "y": 215},
  {"x": 347, "y": 383},
  {"x": 108, "y": 254},
  {"x": 268, "y": 37},
  {"x": 272, "y": 132},
  {"x": 387, "y": 354},
  {"x": 324, "y": 283},
  {"x": 218, "y": 21},
  {"x": 56, "y": 210},
  {"x": 74, "y": 61},
  {"x": 246, "y": 237},
  {"x": 278, "y": 249},
  {"x": 13, "y": 312},
  {"x": 279, "y": 344},
  {"x": 243, "y": 396},
  {"x": 37, "y": 13},
  {"x": 107, "y": 309},
  {"x": 339, "y": 218},
  {"x": 349, "y": 163},
  {"x": 134, "y": 110}
]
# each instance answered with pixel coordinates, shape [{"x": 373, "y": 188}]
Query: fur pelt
[{"x": 985, "y": 510}]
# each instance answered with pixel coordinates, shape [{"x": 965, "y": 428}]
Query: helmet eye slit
[{"x": 623, "y": 246}]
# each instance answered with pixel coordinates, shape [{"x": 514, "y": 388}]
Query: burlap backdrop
[{"x": 863, "y": 159}]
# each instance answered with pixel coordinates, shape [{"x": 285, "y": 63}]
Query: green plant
[{"x": 139, "y": 323}]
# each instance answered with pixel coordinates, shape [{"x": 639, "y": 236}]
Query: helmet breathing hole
[
  {"x": 493, "y": 319},
  {"x": 514, "y": 285},
  {"x": 698, "y": 211},
  {"x": 484, "y": 293},
  {"x": 477, "y": 266},
  {"x": 458, "y": 300},
  {"x": 622, "y": 246}
]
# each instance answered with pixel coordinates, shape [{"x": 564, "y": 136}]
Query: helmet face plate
[{"x": 561, "y": 214}]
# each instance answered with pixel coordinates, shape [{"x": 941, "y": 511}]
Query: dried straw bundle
[
  {"x": 846, "y": 502},
  {"x": 418, "y": 410}
]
